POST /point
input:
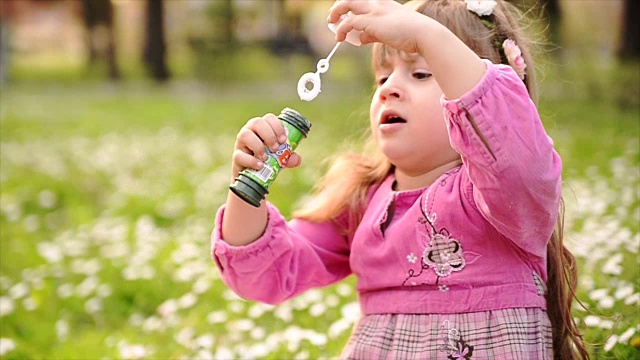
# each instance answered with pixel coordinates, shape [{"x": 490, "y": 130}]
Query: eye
[
  {"x": 382, "y": 80},
  {"x": 421, "y": 75}
]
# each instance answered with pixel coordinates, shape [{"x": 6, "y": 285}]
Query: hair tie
[{"x": 514, "y": 57}]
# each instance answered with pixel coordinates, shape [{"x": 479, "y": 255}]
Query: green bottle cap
[
  {"x": 248, "y": 190},
  {"x": 296, "y": 119}
]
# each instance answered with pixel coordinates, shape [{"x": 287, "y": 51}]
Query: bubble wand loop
[{"x": 308, "y": 94}]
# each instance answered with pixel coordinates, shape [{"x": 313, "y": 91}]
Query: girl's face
[{"x": 407, "y": 120}]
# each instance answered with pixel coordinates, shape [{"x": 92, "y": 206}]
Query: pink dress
[{"x": 455, "y": 270}]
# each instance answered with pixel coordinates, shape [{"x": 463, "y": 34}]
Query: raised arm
[{"x": 456, "y": 68}]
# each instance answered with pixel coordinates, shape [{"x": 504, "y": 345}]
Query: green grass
[{"x": 109, "y": 192}]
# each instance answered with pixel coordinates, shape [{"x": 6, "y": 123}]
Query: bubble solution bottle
[{"x": 253, "y": 185}]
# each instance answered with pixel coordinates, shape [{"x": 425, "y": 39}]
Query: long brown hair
[{"x": 345, "y": 186}]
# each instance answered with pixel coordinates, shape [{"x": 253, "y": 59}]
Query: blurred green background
[{"x": 117, "y": 124}]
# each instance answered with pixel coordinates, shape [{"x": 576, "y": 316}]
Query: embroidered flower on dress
[
  {"x": 514, "y": 56},
  {"x": 449, "y": 336},
  {"x": 441, "y": 252},
  {"x": 463, "y": 351},
  {"x": 444, "y": 254},
  {"x": 481, "y": 7},
  {"x": 454, "y": 346}
]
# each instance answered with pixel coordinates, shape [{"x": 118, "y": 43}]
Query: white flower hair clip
[
  {"x": 514, "y": 57},
  {"x": 481, "y": 7}
]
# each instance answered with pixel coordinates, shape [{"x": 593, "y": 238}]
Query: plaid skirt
[{"x": 523, "y": 333}]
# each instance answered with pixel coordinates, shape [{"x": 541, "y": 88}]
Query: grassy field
[{"x": 108, "y": 197}]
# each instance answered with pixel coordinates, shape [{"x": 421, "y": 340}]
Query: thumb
[
  {"x": 294, "y": 161},
  {"x": 365, "y": 38}
]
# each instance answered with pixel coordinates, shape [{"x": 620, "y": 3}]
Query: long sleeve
[
  {"x": 289, "y": 258},
  {"x": 513, "y": 169}
]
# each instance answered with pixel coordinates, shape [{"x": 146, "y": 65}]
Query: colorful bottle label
[{"x": 278, "y": 159}]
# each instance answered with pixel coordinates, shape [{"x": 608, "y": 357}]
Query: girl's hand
[
  {"x": 251, "y": 141},
  {"x": 384, "y": 21}
]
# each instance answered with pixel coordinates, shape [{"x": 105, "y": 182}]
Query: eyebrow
[
  {"x": 383, "y": 59},
  {"x": 410, "y": 58}
]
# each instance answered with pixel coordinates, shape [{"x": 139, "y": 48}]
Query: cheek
[
  {"x": 435, "y": 111},
  {"x": 373, "y": 107},
  {"x": 439, "y": 127},
  {"x": 373, "y": 121},
  {"x": 373, "y": 131}
]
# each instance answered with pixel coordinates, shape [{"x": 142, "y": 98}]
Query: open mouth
[{"x": 392, "y": 119}]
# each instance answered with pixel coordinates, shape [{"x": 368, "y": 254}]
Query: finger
[
  {"x": 278, "y": 129},
  {"x": 250, "y": 143},
  {"x": 242, "y": 160},
  {"x": 338, "y": 9},
  {"x": 342, "y": 7},
  {"x": 365, "y": 38},
  {"x": 345, "y": 26},
  {"x": 264, "y": 130},
  {"x": 294, "y": 161}
]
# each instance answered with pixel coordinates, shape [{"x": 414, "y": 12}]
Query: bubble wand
[
  {"x": 309, "y": 93},
  {"x": 252, "y": 185}
]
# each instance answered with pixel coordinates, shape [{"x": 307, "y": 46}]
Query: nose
[{"x": 390, "y": 89}]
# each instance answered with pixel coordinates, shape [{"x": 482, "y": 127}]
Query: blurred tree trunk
[
  {"x": 228, "y": 24},
  {"x": 7, "y": 11},
  {"x": 282, "y": 17},
  {"x": 101, "y": 43},
  {"x": 630, "y": 48},
  {"x": 155, "y": 49},
  {"x": 290, "y": 38}
]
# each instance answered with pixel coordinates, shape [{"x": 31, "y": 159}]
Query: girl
[{"x": 449, "y": 228}]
